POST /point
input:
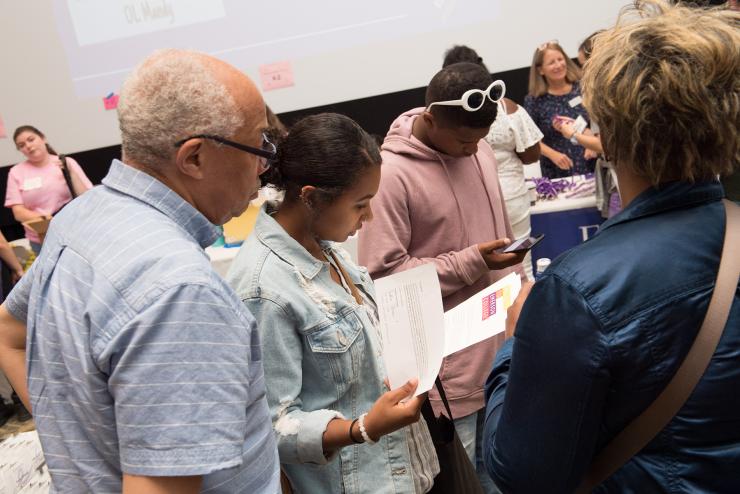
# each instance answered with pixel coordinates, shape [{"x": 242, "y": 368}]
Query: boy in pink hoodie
[{"x": 440, "y": 202}]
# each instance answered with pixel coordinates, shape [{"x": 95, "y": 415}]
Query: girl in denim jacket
[{"x": 317, "y": 317}]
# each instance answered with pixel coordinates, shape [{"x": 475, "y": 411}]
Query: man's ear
[
  {"x": 429, "y": 119},
  {"x": 189, "y": 158}
]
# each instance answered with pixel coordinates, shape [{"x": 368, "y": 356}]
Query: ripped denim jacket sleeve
[{"x": 299, "y": 434}]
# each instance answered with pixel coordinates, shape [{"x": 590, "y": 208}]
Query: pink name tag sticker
[
  {"x": 110, "y": 102},
  {"x": 276, "y": 75}
]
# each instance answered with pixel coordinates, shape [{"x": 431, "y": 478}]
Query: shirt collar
[
  {"x": 270, "y": 233},
  {"x": 142, "y": 186},
  {"x": 672, "y": 195}
]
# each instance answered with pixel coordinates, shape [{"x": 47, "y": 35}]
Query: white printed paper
[
  {"x": 412, "y": 326},
  {"x": 481, "y": 316}
]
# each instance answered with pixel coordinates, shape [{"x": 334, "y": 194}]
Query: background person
[
  {"x": 607, "y": 189},
  {"x": 37, "y": 187},
  {"x": 605, "y": 329},
  {"x": 586, "y": 47},
  {"x": 554, "y": 91}
]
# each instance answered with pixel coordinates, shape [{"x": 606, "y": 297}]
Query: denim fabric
[
  {"x": 600, "y": 335},
  {"x": 323, "y": 359}
]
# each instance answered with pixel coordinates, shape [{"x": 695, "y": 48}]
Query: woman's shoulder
[
  {"x": 20, "y": 167},
  {"x": 511, "y": 106},
  {"x": 575, "y": 89},
  {"x": 533, "y": 103},
  {"x": 70, "y": 160},
  {"x": 253, "y": 267}
]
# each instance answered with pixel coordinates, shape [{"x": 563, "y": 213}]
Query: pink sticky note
[
  {"x": 276, "y": 75},
  {"x": 110, "y": 102},
  {"x": 3, "y": 134}
]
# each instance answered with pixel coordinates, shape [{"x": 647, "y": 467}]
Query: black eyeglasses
[{"x": 268, "y": 151}]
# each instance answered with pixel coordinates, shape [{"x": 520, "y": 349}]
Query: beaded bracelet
[{"x": 363, "y": 431}]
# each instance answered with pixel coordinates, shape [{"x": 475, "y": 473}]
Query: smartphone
[{"x": 523, "y": 244}]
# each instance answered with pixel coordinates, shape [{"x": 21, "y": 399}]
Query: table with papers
[
  {"x": 23, "y": 469},
  {"x": 565, "y": 222}
]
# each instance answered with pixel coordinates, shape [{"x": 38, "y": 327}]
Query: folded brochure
[{"x": 417, "y": 334}]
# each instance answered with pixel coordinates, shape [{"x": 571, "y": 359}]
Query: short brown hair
[
  {"x": 537, "y": 82},
  {"x": 664, "y": 87}
]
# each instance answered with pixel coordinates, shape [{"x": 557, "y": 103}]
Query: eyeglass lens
[{"x": 475, "y": 100}]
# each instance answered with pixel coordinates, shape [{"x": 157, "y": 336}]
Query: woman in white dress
[{"x": 515, "y": 140}]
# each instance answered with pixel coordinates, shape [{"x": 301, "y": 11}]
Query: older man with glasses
[{"x": 144, "y": 368}]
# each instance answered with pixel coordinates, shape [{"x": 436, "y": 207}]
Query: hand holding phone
[
  {"x": 492, "y": 254},
  {"x": 523, "y": 244}
]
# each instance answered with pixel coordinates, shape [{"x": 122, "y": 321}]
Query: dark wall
[{"x": 374, "y": 114}]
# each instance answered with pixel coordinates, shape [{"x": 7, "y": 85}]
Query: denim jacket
[
  {"x": 322, "y": 359},
  {"x": 600, "y": 336}
]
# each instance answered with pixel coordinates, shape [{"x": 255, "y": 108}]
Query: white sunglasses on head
[{"x": 473, "y": 99}]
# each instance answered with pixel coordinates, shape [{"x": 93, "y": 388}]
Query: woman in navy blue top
[
  {"x": 554, "y": 91},
  {"x": 606, "y": 327}
]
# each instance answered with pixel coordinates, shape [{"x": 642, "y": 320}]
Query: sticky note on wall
[
  {"x": 3, "y": 134},
  {"x": 110, "y": 102},
  {"x": 276, "y": 75}
]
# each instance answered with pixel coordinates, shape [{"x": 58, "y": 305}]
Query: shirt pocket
[{"x": 338, "y": 348}]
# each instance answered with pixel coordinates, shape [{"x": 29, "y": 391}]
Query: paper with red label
[
  {"x": 3, "y": 134},
  {"x": 481, "y": 316}
]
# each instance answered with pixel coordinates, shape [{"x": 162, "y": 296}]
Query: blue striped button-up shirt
[{"x": 141, "y": 360}]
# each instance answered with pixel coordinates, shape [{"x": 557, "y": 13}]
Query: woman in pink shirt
[{"x": 37, "y": 187}]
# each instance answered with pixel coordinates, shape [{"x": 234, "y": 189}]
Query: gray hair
[{"x": 168, "y": 97}]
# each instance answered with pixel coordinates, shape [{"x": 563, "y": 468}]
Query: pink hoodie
[{"x": 436, "y": 208}]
